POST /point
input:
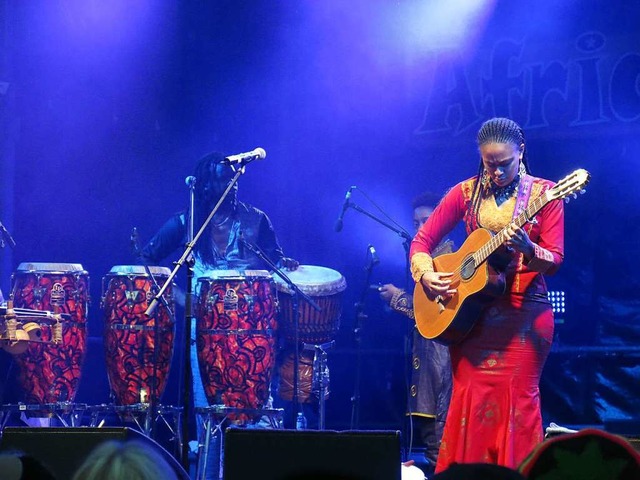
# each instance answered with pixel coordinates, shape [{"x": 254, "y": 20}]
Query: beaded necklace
[{"x": 502, "y": 194}]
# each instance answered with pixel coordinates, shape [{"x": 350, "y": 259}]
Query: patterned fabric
[
  {"x": 494, "y": 415},
  {"x": 402, "y": 302}
]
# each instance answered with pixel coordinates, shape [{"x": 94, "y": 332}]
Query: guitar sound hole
[{"x": 467, "y": 268}]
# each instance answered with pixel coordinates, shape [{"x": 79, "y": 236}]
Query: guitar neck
[{"x": 499, "y": 238}]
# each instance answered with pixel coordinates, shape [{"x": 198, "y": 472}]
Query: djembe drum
[
  {"x": 325, "y": 287},
  {"x": 236, "y": 337},
  {"x": 50, "y": 372},
  {"x": 138, "y": 348}
]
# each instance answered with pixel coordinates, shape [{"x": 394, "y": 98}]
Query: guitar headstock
[{"x": 570, "y": 185}]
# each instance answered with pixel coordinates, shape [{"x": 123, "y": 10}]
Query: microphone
[
  {"x": 345, "y": 205},
  {"x": 4, "y": 234},
  {"x": 374, "y": 255},
  {"x": 242, "y": 159},
  {"x": 190, "y": 181}
]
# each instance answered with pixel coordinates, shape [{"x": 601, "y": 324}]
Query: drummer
[{"x": 220, "y": 247}]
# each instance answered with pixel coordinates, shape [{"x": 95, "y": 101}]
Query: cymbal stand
[{"x": 187, "y": 258}]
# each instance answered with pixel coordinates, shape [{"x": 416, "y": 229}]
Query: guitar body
[{"x": 449, "y": 321}]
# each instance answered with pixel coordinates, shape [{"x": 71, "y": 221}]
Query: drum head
[
  {"x": 138, "y": 270},
  {"x": 47, "y": 267},
  {"x": 313, "y": 280}
]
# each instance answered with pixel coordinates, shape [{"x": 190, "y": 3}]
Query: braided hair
[
  {"x": 496, "y": 130},
  {"x": 502, "y": 130}
]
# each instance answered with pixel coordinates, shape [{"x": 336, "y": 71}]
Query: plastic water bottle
[{"x": 301, "y": 421}]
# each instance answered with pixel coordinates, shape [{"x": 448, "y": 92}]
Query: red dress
[{"x": 494, "y": 415}]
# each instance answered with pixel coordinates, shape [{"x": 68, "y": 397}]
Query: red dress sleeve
[{"x": 444, "y": 218}]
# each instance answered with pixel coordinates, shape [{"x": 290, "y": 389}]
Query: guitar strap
[{"x": 524, "y": 192}]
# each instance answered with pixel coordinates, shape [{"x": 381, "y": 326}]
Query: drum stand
[
  {"x": 211, "y": 421},
  {"x": 320, "y": 379},
  {"x": 143, "y": 416},
  {"x": 68, "y": 414}
]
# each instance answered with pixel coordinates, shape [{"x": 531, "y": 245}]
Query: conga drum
[
  {"x": 49, "y": 372},
  {"x": 138, "y": 348},
  {"x": 236, "y": 337},
  {"x": 325, "y": 287}
]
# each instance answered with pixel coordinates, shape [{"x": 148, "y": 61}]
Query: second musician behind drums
[{"x": 220, "y": 247}]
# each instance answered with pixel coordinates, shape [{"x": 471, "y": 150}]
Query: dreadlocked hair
[
  {"x": 496, "y": 130},
  {"x": 205, "y": 173}
]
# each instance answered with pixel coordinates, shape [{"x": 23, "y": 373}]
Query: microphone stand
[
  {"x": 360, "y": 315},
  {"x": 187, "y": 258},
  {"x": 357, "y": 330},
  {"x": 296, "y": 294},
  {"x": 153, "y": 398}
]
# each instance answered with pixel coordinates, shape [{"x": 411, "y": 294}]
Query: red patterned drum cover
[
  {"x": 236, "y": 337},
  {"x": 325, "y": 287},
  {"x": 50, "y": 373},
  {"x": 130, "y": 336}
]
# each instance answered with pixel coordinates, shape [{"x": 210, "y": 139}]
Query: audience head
[
  {"x": 133, "y": 460},
  {"x": 20, "y": 466},
  {"x": 587, "y": 454}
]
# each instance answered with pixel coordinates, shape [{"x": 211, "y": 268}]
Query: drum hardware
[
  {"x": 66, "y": 413},
  {"x": 21, "y": 326},
  {"x": 211, "y": 423},
  {"x": 320, "y": 377},
  {"x": 39, "y": 293}
]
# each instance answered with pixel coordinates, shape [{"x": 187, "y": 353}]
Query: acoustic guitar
[{"x": 449, "y": 320}]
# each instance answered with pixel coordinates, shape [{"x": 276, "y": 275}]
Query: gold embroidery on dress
[
  {"x": 495, "y": 217},
  {"x": 421, "y": 263}
]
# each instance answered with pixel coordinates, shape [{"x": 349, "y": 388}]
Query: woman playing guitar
[{"x": 494, "y": 416}]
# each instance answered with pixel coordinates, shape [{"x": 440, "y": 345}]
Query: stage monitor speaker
[
  {"x": 309, "y": 454},
  {"x": 62, "y": 450}
]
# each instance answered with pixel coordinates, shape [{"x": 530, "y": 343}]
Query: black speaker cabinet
[
  {"x": 62, "y": 450},
  {"x": 309, "y": 454}
]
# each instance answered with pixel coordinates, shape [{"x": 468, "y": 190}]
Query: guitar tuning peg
[
  {"x": 567, "y": 199},
  {"x": 583, "y": 191},
  {"x": 574, "y": 195}
]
